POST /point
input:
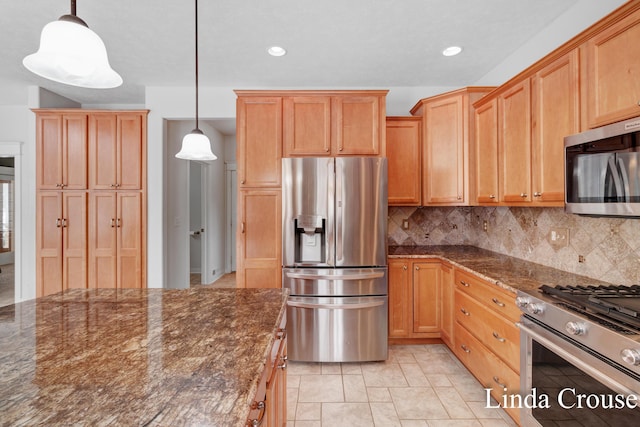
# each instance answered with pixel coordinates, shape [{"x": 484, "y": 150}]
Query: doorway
[{"x": 9, "y": 287}]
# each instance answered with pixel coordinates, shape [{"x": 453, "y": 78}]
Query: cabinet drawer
[
  {"x": 486, "y": 367},
  {"x": 490, "y": 295},
  {"x": 500, "y": 335}
]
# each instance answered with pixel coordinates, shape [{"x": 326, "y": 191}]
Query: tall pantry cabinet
[{"x": 91, "y": 199}]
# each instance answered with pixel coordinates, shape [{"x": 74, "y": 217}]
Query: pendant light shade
[
  {"x": 196, "y": 145},
  {"x": 72, "y": 54}
]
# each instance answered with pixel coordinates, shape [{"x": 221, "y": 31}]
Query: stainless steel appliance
[
  {"x": 580, "y": 347},
  {"x": 334, "y": 255},
  {"x": 602, "y": 169}
]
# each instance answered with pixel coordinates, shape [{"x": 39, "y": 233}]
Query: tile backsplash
[{"x": 607, "y": 249}]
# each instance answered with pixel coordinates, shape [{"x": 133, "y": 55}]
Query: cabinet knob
[
  {"x": 459, "y": 197},
  {"x": 58, "y": 223},
  {"x": 465, "y": 349},
  {"x": 242, "y": 182},
  {"x": 465, "y": 312},
  {"x": 497, "y": 302},
  {"x": 492, "y": 196},
  {"x": 537, "y": 194},
  {"x": 523, "y": 195},
  {"x": 497, "y": 381},
  {"x": 242, "y": 227},
  {"x": 404, "y": 267},
  {"x": 113, "y": 222},
  {"x": 417, "y": 267},
  {"x": 463, "y": 283},
  {"x": 498, "y": 337}
]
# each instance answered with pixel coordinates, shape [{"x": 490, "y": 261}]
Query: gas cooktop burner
[{"x": 621, "y": 303}]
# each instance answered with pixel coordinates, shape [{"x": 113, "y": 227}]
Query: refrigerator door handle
[
  {"x": 339, "y": 192},
  {"x": 355, "y": 276},
  {"x": 353, "y": 306}
]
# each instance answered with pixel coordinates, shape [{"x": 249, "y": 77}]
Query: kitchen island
[{"x": 136, "y": 356}]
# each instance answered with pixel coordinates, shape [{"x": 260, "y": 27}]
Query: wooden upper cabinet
[
  {"x": 613, "y": 72},
  {"x": 556, "y": 114},
  {"x": 486, "y": 124},
  {"x": 61, "y": 154},
  {"x": 307, "y": 126},
  {"x": 448, "y": 155},
  {"x": 259, "y": 135},
  {"x": 358, "y": 125},
  {"x": 116, "y": 144},
  {"x": 514, "y": 143},
  {"x": 404, "y": 148}
]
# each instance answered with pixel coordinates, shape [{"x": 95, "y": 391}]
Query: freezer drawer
[
  {"x": 336, "y": 282},
  {"x": 330, "y": 329}
]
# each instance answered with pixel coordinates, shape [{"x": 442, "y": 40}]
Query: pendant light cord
[
  {"x": 196, "y": 64},
  {"x": 73, "y": 7}
]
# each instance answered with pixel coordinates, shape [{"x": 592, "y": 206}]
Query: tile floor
[{"x": 419, "y": 385}]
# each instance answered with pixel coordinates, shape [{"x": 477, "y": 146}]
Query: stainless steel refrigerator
[{"x": 334, "y": 255}]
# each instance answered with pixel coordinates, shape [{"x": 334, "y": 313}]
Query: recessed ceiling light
[
  {"x": 277, "y": 51},
  {"x": 452, "y": 51}
]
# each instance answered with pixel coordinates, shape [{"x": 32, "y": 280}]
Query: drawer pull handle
[
  {"x": 465, "y": 312},
  {"x": 498, "y": 337},
  {"x": 463, "y": 283},
  {"x": 465, "y": 349},
  {"x": 497, "y": 302},
  {"x": 497, "y": 381}
]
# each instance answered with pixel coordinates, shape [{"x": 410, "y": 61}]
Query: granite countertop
[
  {"x": 136, "y": 357},
  {"x": 509, "y": 273}
]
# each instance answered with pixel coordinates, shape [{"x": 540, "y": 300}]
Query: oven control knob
[
  {"x": 535, "y": 308},
  {"x": 575, "y": 328},
  {"x": 632, "y": 357},
  {"x": 522, "y": 301}
]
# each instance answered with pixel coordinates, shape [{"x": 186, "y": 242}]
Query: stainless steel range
[{"x": 580, "y": 357}]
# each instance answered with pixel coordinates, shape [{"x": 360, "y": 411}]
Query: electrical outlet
[
  {"x": 484, "y": 225},
  {"x": 558, "y": 237},
  {"x": 405, "y": 223},
  {"x": 581, "y": 258}
]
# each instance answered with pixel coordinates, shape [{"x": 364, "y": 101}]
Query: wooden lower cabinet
[
  {"x": 61, "y": 233},
  {"x": 269, "y": 408},
  {"x": 115, "y": 239},
  {"x": 414, "y": 298},
  {"x": 259, "y": 239}
]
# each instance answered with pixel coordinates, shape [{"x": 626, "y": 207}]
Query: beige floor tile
[
  {"x": 436, "y": 348},
  {"x": 354, "y": 388},
  {"x": 383, "y": 375},
  {"x": 453, "y": 423},
  {"x": 303, "y": 368},
  {"x": 378, "y": 394},
  {"x": 413, "y": 374},
  {"x": 293, "y": 381},
  {"x": 331, "y": 369},
  {"x": 417, "y": 403},
  {"x": 292, "y": 403},
  {"x": 402, "y": 355},
  {"x": 453, "y": 403},
  {"x": 347, "y": 414},
  {"x": 469, "y": 388},
  {"x": 481, "y": 411},
  {"x": 321, "y": 388},
  {"x": 384, "y": 415},
  {"x": 414, "y": 423},
  {"x": 351, "y": 369},
  {"x": 308, "y": 411},
  {"x": 438, "y": 363},
  {"x": 494, "y": 423},
  {"x": 439, "y": 380},
  {"x": 307, "y": 424}
]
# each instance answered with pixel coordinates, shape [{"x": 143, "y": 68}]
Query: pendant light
[
  {"x": 196, "y": 145},
  {"x": 72, "y": 54}
]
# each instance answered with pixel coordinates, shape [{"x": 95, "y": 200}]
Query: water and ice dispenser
[{"x": 310, "y": 239}]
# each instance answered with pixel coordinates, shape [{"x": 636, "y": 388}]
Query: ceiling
[{"x": 331, "y": 43}]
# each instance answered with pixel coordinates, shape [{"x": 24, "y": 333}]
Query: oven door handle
[
  {"x": 604, "y": 379},
  {"x": 353, "y": 306},
  {"x": 354, "y": 276}
]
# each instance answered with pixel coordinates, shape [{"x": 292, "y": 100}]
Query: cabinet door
[
  {"x": 404, "y": 143},
  {"x": 259, "y": 135},
  {"x": 49, "y": 151},
  {"x": 103, "y": 151},
  {"x": 307, "y": 126},
  {"x": 426, "y": 297},
  {"x": 444, "y": 152},
  {"x": 49, "y": 241},
  {"x": 357, "y": 125},
  {"x": 556, "y": 108},
  {"x": 259, "y": 239},
  {"x": 400, "y": 298},
  {"x": 514, "y": 143},
  {"x": 102, "y": 239},
  {"x": 613, "y": 72},
  {"x": 447, "y": 303},
  {"x": 129, "y": 239},
  {"x": 74, "y": 239},
  {"x": 276, "y": 396},
  {"x": 74, "y": 155},
  {"x": 130, "y": 149},
  {"x": 486, "y": 123}
]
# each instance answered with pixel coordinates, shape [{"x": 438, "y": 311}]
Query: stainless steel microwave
[{"x": 602, "y": 168}]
